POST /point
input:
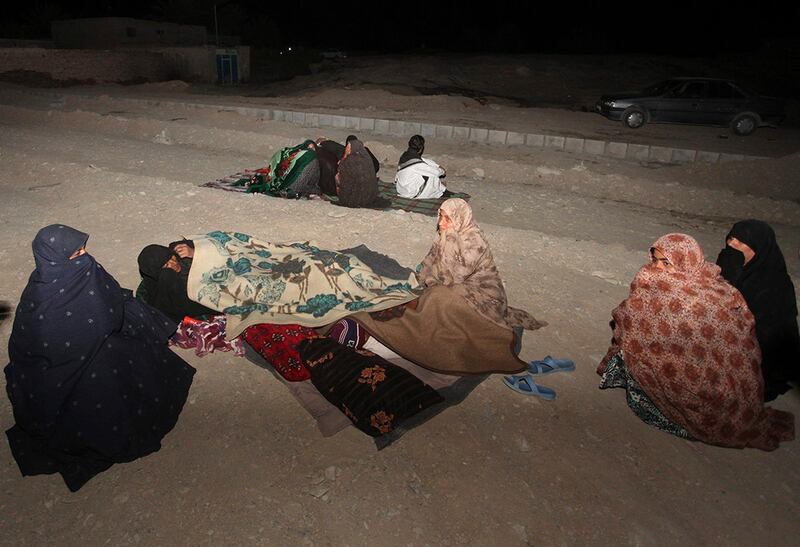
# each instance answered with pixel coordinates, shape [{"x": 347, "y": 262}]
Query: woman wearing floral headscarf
[
  {"x": 685, "y": 350},
  {"x": 462, "y": 308},
  {"x": 461, "y": 258}
]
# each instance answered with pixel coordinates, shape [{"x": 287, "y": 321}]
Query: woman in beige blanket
[
  {"x": 463, "y": 308},
  {"x": 460, "y": 258}
]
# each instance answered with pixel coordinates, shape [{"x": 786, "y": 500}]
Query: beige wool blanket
[{"x": 254, "y": 281}]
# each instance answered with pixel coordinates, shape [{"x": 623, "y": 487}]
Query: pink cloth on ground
[{"x": 205, "y": 337}]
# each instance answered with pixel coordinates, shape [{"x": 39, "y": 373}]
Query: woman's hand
[{"x": 184, "y": 251}]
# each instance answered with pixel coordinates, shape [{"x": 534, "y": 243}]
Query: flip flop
[
  {"x": 526, "y": 386},
  {"x": 548, "y": 365}
]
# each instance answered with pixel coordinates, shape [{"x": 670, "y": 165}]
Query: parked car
[{"x": 704, "y": 101}]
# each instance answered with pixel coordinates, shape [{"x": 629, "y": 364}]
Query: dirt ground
[{"x": 246, "y": 465}]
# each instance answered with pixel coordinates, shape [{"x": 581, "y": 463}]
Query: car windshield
[{"x": 660, "y": 88}]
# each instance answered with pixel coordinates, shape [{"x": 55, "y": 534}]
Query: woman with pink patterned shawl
[{"x": 685, "y": 350}]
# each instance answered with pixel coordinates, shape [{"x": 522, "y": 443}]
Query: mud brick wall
[{"x": 87, "y": 64}]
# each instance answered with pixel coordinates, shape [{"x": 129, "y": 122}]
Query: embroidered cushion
[{"x": 373, "y": 393}]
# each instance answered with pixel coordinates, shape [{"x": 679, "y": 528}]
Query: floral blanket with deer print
[{"x": 254, "y": 281}]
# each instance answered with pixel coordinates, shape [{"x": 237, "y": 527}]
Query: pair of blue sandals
[{"x": 526, "y": 384}]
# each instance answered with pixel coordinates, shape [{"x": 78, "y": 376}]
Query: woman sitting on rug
[
  {"x": 464, "y": 298},
  {"x": 91, "y": 379},
  {"x": 165, "y": 273},
  {"x": 356, "y": 183},
  {"x": 753, "y": 262},
  {"x": 461, "y": 258},
  {"x": 292, "y": 172},
  {"x": 685, "y": 350}
]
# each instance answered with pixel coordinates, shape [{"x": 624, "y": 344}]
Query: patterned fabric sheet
[
  {"x": 374, "y": 394},
  {"x": 239, "y": 183},
  {"x": 254, "y": 281}
]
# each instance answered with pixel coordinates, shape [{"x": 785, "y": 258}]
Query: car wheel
[
  {"x": 745, "y": 124},
  {"x": 634, "y": 117}
]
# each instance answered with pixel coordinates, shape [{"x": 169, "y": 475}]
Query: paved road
[{"x": 767, "y": 142}]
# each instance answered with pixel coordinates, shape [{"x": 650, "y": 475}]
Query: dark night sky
[{"x": 654, "y": 26}]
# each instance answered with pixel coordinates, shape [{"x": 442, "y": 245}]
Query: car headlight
[{"x": 610, "y": 104}]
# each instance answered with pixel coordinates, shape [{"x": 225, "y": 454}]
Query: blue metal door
[{"x": 227, "y": 67}]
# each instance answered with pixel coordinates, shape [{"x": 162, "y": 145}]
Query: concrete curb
[{"x": 492, "y": 137}]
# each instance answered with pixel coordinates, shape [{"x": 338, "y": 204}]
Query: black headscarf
[
  {"x": 151, "y": 261},
  {"x": 337, "y": 150},
  {"x": 328, "y": 165},
  {"x": 91, "y": 380},
  {"x": 358, "y": 185},
  {"x": 769, "y": 293},
  {"x": 164, "y": 288},
  {"x": 764, "y": 282}
]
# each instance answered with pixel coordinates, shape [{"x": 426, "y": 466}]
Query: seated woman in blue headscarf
[{"x": 91, "y": 379}]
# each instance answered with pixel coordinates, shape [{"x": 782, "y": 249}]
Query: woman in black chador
[
  {"x": 753, "y": 263},
  {"x": 91, "y": 379}
]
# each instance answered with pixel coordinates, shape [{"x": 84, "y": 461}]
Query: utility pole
[{"x": 216, "y": 26}]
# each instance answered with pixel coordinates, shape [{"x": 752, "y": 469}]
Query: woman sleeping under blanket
[
  {"x": 254, "y": 281},
  {"x": 257, "y": 283},
  {"x": 165, "y": 273},
  {"x": 292, "y": 172}
]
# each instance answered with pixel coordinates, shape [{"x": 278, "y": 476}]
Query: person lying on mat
[
  {"x": 418, "y": 177},
  {"x": 753, "y": 262},
  {"x": 685, "y": 350},
  {"x": 338, "y": 150},
  {"x": 91, "y": 379},
  {"x": 165, "y": 273},
  {"x": 292, "y": 172},
  {"x": 255, "y": 281}
]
